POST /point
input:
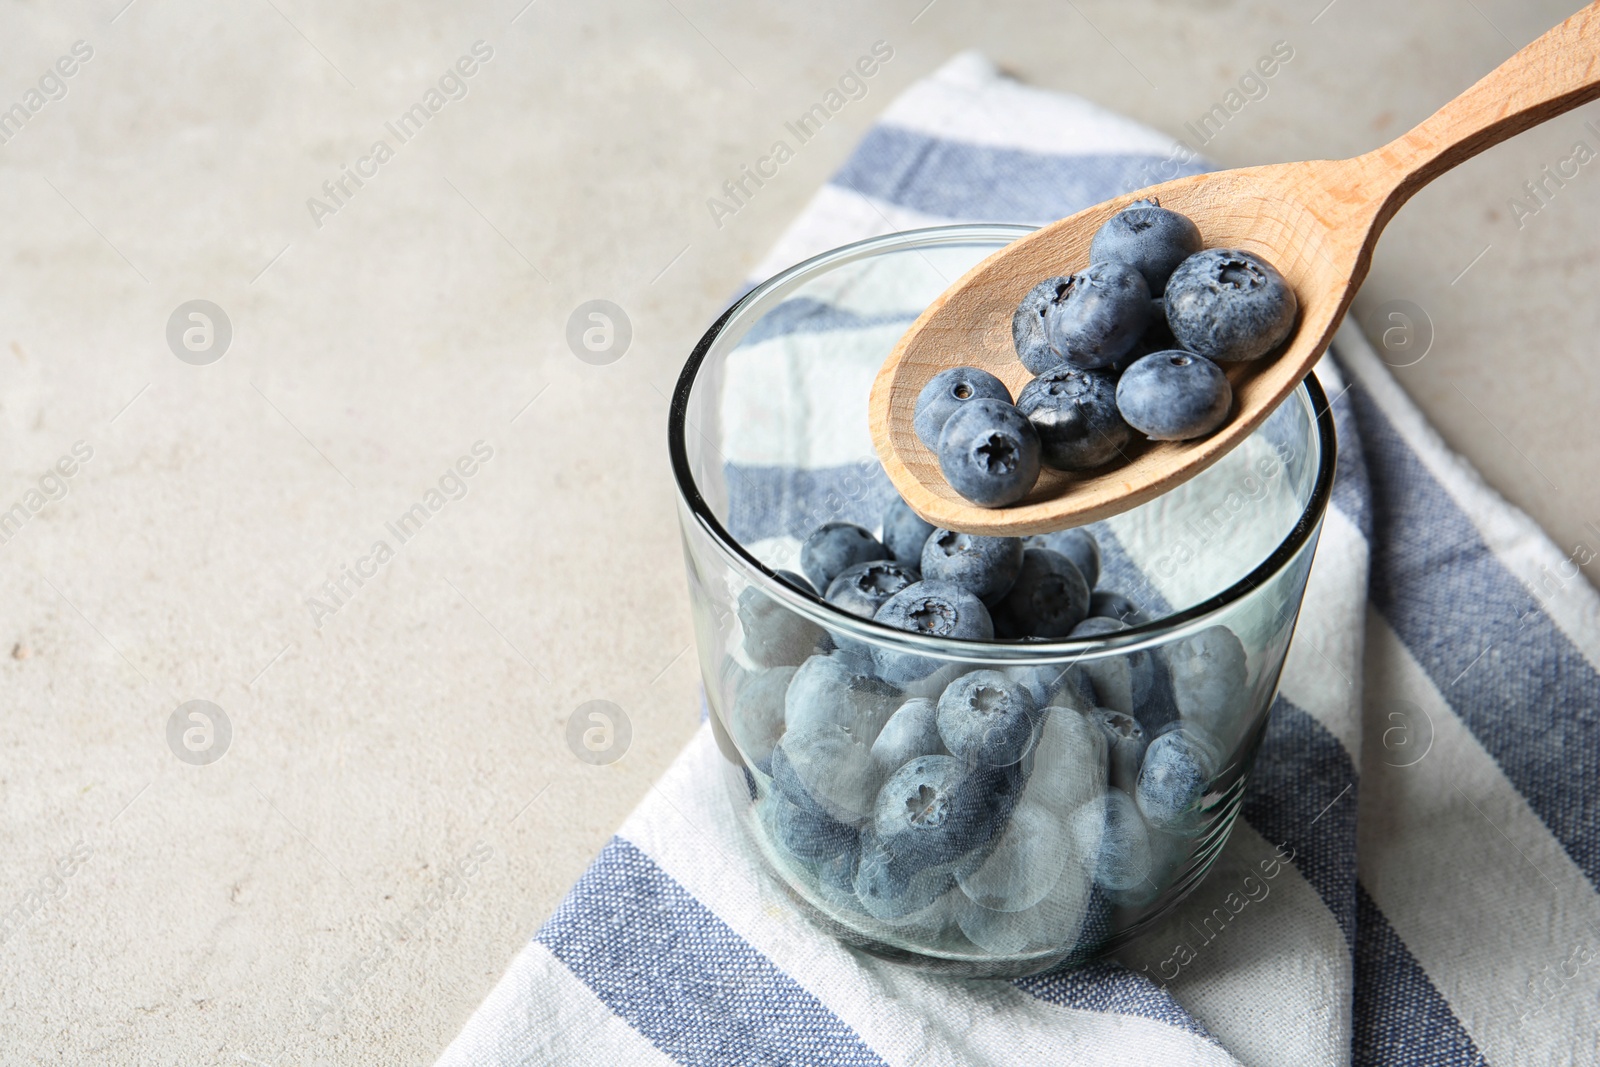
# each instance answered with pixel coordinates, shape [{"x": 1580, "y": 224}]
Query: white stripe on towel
[{"x": 1481, "y": 893}]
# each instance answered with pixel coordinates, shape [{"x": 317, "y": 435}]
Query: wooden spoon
[{"x": 1317, "y": 222}]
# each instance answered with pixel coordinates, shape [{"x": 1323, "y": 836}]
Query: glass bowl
[{"x": 979, "y": 808}]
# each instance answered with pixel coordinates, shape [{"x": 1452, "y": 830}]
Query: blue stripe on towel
[
  {"x": 956, "y": 180},
  {"x": 678, "y": 975},
  {"x": 1400, "y": 1019},
  {"x": 784, "y": 501},
  {"x": 1507, "y": 670},
  {"x": 1118, "y": 572},
  {"x": 1110, "y": 987},
  {"x": 1297, "y": 797}
]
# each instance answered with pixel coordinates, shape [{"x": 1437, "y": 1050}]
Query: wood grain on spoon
[{"x": 1317, "y": 222}]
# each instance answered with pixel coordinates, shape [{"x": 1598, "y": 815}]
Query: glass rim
[{"x": 1145, "y": 635}]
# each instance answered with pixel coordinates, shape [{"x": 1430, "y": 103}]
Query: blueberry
[
  {"x": 930, "y": 686},
  {"x": 1076, "y": 544},
  {"x": 937, "y": 609},
  {"x": 933, "y": 811},
  {"x": 904, "y": 532},
  {"x": 1055, "y": 685},
  {"x": 1038, "y": 679},
  {"x": 946, "y": 392},
  {"x": 1209, "y": 675},
  {"x": 911, "y": 731},
  {"x": 1055, "y": 923},
  {"x": 1028, "y": 856},
  {"x": 1101, "y": 315},
  {"x": 989, "y": 453},
  {"x": 1228, "y": 304},
  {"x": 732, "y": 679},
  {"x": 861, "y": 589},
  {"x": 1132, "y": 683},
  {"x": 1174, "y": 396},
  {"x": 1157, "y": 337},
  {"x": 798, "y": 582},
  {"x": 834, "y": 546},
  {"x": 1048, "y": 598},
  {"x": 890, "y": 885},
  {"x": 1177, "y": 769},
  {"x": 786, "y": 780},
  {"x": 1153, "y": 702},
  {"x": 1098, "y": 626},
  {"x": 934, "y": 609},
  {"x": 1027, "y": 325},
  {"x": 1075, "y": 690},
  {"x": 774, "y": 636},
  {"x": 1126, "y": 742},
  {"x": 1074, "y": 412},
  {"x": 757, "y": 720},
  {"x": 1151, "y": 239},
  {"x": 1069, "y": 762},
  {"x": 986, "y": 567},
  {"x": 987, "y": 719},
  {"x": 1124, "y": 860},
  {"x": 912, "y": 907},
  {"x": 840, "y": 690},
  {"x": 836, "y": 877},
  {"x": 823, "y": 768},
  {"x": 1129, "y": 682},
  {"x": 1112, "y": 605},
  {"x": 719, "y": 733},
  {"x": 805, "y": 833}
]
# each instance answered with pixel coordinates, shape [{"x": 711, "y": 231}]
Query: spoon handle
[{"x": 1556, "y": 73}]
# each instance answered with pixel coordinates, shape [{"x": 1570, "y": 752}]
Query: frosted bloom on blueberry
[
  {"x": 840, "y": 689},
  {"x": 911, "y": 731},
  {"x": 1077, "y": 544},
  {"x": 986, "y": 567},
  {"x": 904, "y": 531},
  {"x": 1075, "y": 414},
  {"x": 1209, "y": 675},
  {"x": 1100, "y": 315},
  {"x": 774, "y": 636},
  {"x": 986, "y": 719},
  {"x": 1177, "y": 770},
  {"x": 1149, "y": 238},
  {"x": 834, "y": 546},
  {"x": 1124, "y": 861},
  {"x": 1228, "y": 304},
  {"x": 823, "y": 768},
  {"x": 861, "y": 589},
  {"x": 757, "y": 719},
  {"x": 1174, "y": 396},
  {"x": 1027, "y": 859},
  {"x": 946, "y": 392},
  {"x": 989, "y": 453},
  {"x": 1048, "y": 598}
]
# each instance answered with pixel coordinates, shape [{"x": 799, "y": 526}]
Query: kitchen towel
[{"x": 1427, "y": 794}]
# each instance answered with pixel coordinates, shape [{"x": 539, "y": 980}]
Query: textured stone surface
[{"x": 398, "y": 807}]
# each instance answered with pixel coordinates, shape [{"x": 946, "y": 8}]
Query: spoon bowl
[{"x": 1316, "y": 221}]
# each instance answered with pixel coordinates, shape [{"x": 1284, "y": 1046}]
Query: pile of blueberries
[
  {"x": 1010, "y": 810},
  {"x": 1130, "y": 344}
]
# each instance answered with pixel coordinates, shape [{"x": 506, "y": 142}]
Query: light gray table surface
[{"x": 397, "y": 808}]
